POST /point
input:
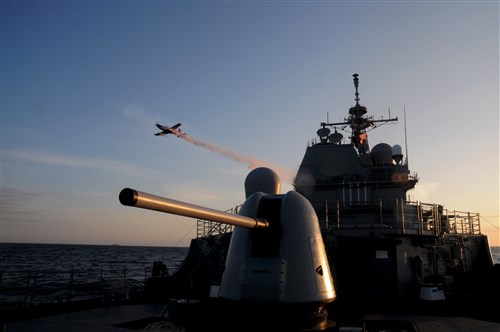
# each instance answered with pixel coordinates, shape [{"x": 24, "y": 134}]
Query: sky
[{"x": 83, "y": 84}]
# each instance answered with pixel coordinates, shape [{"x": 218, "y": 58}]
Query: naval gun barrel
[{"x": 132, "y": 197}]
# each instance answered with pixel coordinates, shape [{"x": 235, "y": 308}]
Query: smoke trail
[{"x": 284, "y": 174}]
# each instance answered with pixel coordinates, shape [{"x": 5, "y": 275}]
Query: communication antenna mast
[
  {"x": 357, "y": 122},
  {"x": 406, "y": 141}
]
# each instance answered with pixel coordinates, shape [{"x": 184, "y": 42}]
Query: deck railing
[
  {"x": 206, "y": 228},
  {"x": 402, "y": 216},
  {"x": 399, "y": 215},
  {"x": 33, "y": 287}
]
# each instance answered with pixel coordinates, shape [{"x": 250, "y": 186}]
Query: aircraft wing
[{"x": 168, "y": 130}]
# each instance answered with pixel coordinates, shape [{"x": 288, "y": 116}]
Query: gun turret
[
  {"x": 276, "y": 265},
  {"x": 132, "y": 197}
]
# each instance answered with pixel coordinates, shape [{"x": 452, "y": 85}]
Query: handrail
[
  {"x": 401, "y": 215},
  {"x": 33, "y": 287}
]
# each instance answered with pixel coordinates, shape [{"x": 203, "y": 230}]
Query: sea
[{"x": 32, "y": 274}]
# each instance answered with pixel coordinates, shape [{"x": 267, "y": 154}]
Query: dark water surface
[{"x": 38, "y": 273}]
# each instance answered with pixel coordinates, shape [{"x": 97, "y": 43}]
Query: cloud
[
  {"x": 14, "y": 200},
  {"x": 136, "y": 111},
  {"x": 27, "y": 207},
  {"x": 47, "y": 158}
]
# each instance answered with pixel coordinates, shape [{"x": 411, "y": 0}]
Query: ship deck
[{"x": 147, "y": 317}]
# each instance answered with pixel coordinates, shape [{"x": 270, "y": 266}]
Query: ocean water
[{"x": 45, "y": 273}]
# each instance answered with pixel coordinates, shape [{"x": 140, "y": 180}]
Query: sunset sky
[{"x": 83, "y": 84}]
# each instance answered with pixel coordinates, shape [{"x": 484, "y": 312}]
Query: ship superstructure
[{"x": 383, "y": 247}]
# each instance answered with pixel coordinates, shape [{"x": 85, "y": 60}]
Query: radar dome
[
  {"x": 262, "y": 179},
  {"x": 382, "y": 154},
  {"x": 397, "y": 153}
]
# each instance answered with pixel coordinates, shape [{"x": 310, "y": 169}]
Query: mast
[
  {"x": 358, "y": 122},
  {"x": 406, "y": 141}
]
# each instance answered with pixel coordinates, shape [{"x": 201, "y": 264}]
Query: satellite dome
[
  {"x": 397, "y": 150},
  {"x": 382, "y": 154},
  {"x": 397, "y": 153},
  {"x": 262, "y": 179}
]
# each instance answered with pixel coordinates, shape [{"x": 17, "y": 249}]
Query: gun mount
[
  {"x": 132, "y": 197},
  {"x": 276, "y": 269}
]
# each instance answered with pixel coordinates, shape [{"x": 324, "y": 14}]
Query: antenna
[
  {"x": 356, "y": 83},
  {"x": 406, "y": 141}
]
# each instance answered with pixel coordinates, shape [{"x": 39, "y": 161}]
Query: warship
[
  {"x": 345, "y": 247},
  {"x": 345, "y": 250}
]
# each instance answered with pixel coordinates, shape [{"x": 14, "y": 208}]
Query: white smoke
[{"x": 252, "y": 162}]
